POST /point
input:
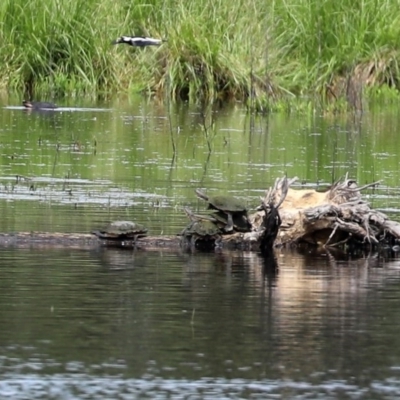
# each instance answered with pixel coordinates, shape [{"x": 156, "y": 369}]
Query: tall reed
[
  {"x": 54, "y": 45},
  {"x": 317, "y": 40},
  {"x": 215, "y": 48}
]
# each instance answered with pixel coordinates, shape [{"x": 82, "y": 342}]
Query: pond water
[{"x": 121, "y": 324}]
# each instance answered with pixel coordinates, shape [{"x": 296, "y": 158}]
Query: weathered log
[
  {"x": 261, "y": 238},
  {"x": 336, "y": 218},
  {"x": 249, "y": 241}
]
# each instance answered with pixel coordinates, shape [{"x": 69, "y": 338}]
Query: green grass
[
  {"x": 320, "y": 40},
  {"x": 255, "y": 50}
]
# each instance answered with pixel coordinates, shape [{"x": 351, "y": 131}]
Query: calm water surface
[{"x": 106, "y": 323}]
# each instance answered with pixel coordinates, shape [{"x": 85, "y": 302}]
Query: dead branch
[{"x": 339, "y": 215}]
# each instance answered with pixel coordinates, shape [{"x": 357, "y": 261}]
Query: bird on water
[
  {"x": 38, "y": 105},
  {"x": 138, "y": 41}
]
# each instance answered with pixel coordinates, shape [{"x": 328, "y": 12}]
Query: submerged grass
[{"x": 251, "y": 50}]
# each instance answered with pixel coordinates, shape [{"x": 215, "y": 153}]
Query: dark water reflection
[{"x": 115, "y": 324}]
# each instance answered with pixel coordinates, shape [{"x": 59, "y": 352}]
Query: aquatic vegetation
[
  {"x": 336, "y": 49},
  {"x": 267, "y": 53}
]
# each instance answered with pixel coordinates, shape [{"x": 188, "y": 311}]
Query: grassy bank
[{"x": 254, "y": 50}]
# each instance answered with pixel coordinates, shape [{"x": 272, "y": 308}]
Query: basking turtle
[
  {"x": 230, "y": 210},
  {"x": 240, "y": 221},
  {"x": 201, "y": 232},
  {"x": 121, "y": 230}
]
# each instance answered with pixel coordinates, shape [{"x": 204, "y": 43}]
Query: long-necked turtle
[
  {"x": 229, "y": 209},
  {"x": 201, "y": 232},
  {"x": 121, "y": 230}
]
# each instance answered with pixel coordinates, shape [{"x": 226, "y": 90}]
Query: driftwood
[
  {"x": 260, "y": 239},
  {"x": 338, "y": 217},
  {"x": 84, "y": 241}
]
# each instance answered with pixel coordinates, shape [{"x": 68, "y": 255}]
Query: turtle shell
[
  {"x": 202, "y": 228},
  {"x": 202, "y": 234},
  {"x": 223, "y": 203},
  {"x": 121, "y": 230}
]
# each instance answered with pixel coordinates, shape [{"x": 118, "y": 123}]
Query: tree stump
[{"x": 337, "y": 217}]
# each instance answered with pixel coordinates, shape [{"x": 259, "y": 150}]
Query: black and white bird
[{"x": 137, "y": 41}]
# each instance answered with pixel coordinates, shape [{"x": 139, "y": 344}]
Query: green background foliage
[{"x": 225, "y": 49}]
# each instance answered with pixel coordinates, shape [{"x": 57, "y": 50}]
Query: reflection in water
[
  {"x": 141, "y": 161},
  {"x": 111, "y": 322},
  {"x": 269, "y": 268}
]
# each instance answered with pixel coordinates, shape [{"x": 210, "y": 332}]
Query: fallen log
[
  {"x": 85, "y": 241},
  {"x": 126, "y": 234},
  {"x": 337, "y": 218},
  {"x": 249, "y": 241}
]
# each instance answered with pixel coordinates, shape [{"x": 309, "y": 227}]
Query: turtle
[
  {"x": 201, "y": 232},
  {"x": 121, "y": 230},
  {"x": 229, "y": 210},
  {"x": 240, "y": 221}
]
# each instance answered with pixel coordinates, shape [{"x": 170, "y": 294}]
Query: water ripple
[{"x": 82, "y": 386}]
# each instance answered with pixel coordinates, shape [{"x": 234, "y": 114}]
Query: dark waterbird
[
  {"x": 138, "y": 41},
  {"x": 38, "y": 105}
]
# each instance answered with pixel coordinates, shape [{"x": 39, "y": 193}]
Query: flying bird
[{"x": 137, "y": 41}]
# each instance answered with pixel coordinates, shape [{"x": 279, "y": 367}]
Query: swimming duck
[
  {"x": 38, "y": 105},
  {"x": 137, "y": 41}
]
